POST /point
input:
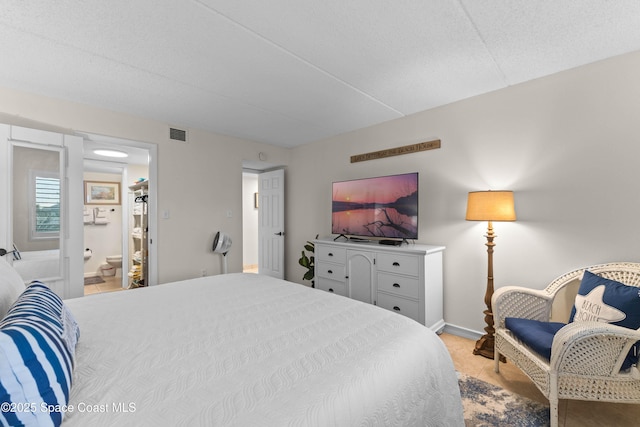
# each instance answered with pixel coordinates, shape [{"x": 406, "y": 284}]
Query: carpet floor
[{"x": 489, "y": 405}]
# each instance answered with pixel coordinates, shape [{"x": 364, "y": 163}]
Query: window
[{"x": 45, "y": 209}]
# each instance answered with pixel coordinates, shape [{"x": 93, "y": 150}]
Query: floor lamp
[{"x": 489, "y": 206}]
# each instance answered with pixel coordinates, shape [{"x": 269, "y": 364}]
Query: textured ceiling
[{"x": 288, "y": 72}]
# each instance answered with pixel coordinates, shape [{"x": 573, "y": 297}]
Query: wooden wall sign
[{"x": 407, "y": 149}]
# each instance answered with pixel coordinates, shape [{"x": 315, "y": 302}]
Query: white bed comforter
[{"x": 250, "y": 350}]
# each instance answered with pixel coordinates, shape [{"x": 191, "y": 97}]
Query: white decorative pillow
[
  {"x": 70, "y": 330},
  {"x": 11, "y": 286}
]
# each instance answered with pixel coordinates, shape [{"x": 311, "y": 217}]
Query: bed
[
  {"x": 38, "y": 264},
  {"x": 251, "y": 350}
]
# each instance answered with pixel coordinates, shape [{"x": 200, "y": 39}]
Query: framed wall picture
[{"x": 101, "y": 193}]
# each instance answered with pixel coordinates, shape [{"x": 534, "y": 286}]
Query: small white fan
[{"x": 221, "y": 245}]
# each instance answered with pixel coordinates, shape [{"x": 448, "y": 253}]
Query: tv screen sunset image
[{"x": 384, "y": 206}]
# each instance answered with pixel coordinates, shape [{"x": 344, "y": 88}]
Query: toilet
[{"x": 115, "y": 261}]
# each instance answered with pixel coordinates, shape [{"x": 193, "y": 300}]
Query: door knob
[{"x": 16, "y": 254}]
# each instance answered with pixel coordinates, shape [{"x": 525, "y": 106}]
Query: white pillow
[{"x": 11, "y": 286}]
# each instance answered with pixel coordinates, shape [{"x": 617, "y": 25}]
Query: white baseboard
[
  {"x": 438, "y": 327},
  {"x": 462, "y": 332}
]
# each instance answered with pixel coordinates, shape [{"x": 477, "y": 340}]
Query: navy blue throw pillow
[
  {"x": 605, "y": 300},
  {"x": 608, "y": 301}
]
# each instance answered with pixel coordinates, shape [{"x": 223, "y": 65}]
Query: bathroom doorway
[
  {"x": 109, "y": 229},
  {"x": 102, "y": 226}
]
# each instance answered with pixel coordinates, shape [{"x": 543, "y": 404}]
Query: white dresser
[{"x": 406, "y": 279}]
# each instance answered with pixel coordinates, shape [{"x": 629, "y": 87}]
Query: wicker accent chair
[{"x": 585, "y": 356}]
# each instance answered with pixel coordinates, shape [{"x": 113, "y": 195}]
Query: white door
[
  {"x": 40, "y": 155},
  {"x": 271, "y": 223}
]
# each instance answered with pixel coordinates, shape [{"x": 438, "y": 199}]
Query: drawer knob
[
  {"x": 396, "y": 264},
  {"x": 396, "y": 308},
  {"x": 330, "y": 254},
  {"x": 330, "y": 289},
  {"x": 395, "y": 285},
  {"x": 330, "y": 271}
]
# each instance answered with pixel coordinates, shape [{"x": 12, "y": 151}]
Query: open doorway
[
  {"x": 263, "y": 231},
  {"x": 260, "y": 255},
  {"x": 115, "y": 258},
  {"x": 104, "y": 248},
  {"x": 250, "y": 221}
]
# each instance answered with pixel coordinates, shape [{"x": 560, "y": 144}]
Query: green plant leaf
[
  {"x": 308, "y": 262},
  {"x": 304, "y": 260}
]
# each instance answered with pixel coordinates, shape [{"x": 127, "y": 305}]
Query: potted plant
[{"x": 308, "y": 262}]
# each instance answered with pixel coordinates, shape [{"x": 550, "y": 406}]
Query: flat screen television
[{"x": 385, "y": 206}]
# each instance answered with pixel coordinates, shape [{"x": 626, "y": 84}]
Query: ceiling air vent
[{"x": 178, "y": 134}]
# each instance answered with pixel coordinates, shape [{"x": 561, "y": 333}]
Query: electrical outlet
[
  {"x": 204, "y": 272},
  {"x": 229, "y": 214}
]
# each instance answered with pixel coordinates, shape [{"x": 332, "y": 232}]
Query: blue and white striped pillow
[{"x": 36, "y": 358}]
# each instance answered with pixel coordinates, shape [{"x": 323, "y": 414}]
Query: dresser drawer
[
  {"x": 401, "y": 285},
  {"x": 331, "y": 254},
  {"x": 396, "y": 263},
  {"x": 329, "y": 270},
  {"x": 332, "y": 286},
  {"x": 400, "y": 305}
]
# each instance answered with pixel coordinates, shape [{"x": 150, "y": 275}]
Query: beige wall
[
  {"x": 198, "y": 181},
  {"x": 568, "y": 145}
]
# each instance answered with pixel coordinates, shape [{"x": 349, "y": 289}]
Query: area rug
[
  {"x": 489, "y": 405},
  {"x": 93, "y": 280}
]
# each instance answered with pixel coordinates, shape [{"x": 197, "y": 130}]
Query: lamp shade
[{"x": 490, "y": 206}]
